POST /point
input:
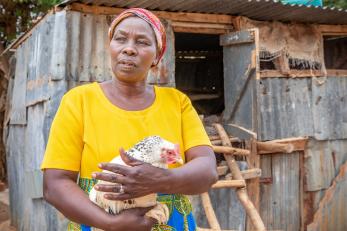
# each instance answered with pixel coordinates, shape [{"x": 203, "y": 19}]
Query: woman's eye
[
  {"x": 120, "y": 39},
  {"x": 143, "y": 42}
]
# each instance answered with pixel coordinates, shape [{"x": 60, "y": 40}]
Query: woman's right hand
[{"x": 134, "y": 220}]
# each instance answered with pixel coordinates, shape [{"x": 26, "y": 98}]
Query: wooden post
[
  {"x": 253, "y": 185},
  {"x": 236, "y": 174},
  {"x": 210, "y": 215}
]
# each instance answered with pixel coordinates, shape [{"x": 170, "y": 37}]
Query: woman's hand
[
  {"x": 133, "y": 220},
  {"x": 138, "y": 180}
]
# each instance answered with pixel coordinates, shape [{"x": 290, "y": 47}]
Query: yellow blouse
[{"x": 89, "y": 129}]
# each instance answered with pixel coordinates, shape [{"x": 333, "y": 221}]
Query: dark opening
[
  {"x": 335, "y": 52},
  {"x": 199, "y": 71}
]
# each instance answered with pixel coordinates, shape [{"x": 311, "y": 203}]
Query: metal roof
[{"x": 266, "y": 10}]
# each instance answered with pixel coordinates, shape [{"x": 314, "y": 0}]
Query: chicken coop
[{"x": 274, "y": 75}]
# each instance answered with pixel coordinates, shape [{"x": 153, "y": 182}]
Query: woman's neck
[{"x": 129, "y": 90}]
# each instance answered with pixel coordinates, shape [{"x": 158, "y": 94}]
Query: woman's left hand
[{"x": 138, "y": 180}]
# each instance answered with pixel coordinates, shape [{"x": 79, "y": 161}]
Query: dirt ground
[{"x": 5, "y": 212}]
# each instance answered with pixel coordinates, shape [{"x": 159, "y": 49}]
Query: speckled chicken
[{"x": 155, "y": 151}]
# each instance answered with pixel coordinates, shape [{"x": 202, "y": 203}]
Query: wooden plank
[
  {"x": 229, "y": 184},
  {"x": 235, "y": 38},
  {"x": 174, "y": 16},
  {"x": 200, "y": 30},
  {"x": 291, "y": 74}
]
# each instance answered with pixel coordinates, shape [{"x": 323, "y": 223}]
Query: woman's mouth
[{"x": 127, "y": 65}]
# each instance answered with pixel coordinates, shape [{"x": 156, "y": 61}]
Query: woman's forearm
[
  {"x": 65, "y": 195},
  {"x": 194, "y": 177}
]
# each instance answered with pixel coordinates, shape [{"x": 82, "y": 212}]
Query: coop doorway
[{"x": 199, "y": 71}]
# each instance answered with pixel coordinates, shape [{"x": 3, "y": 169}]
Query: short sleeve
[
  {"x": 65, "y": 142},
  {"x": 193, "y": 131}
]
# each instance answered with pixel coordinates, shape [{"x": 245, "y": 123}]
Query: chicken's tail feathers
[{"x": 92, "y": 195}]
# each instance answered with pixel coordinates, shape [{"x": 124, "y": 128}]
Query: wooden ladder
[{"x": 237, "y": 182}]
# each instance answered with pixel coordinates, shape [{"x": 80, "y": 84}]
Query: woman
[{"x": 95, "y": 120}]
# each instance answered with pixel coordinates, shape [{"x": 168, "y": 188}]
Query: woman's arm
[
  {"x": 195, "y": 177},
  {"x": 60, "y": 190}
]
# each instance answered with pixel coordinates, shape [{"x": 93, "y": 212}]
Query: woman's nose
[{"x": 129, "y": 49}]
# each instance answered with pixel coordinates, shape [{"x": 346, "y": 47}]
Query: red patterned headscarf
[{"x": 150, "y": 18}]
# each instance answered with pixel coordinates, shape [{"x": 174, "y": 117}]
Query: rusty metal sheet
[
  {"x": 39, "y": 62},
  {"x": 323, "y": 160},
  {"x": 59, "y": 48},
  {"x": 18, "y": 108},
  {"x": 280, "y": 194},
  {"x": 303, "y": 107},
  {"x": 329, "y": 100},
  {"x": 164, "y": 72},
  {"x": 89, "y": 56},
  {"x": 331, "y": 214}
]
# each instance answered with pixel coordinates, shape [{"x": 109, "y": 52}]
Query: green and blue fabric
[{"x": 181, "y": 217}]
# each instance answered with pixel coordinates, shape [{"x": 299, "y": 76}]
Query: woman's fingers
[
  {"x": 114, "y": 188},
  {"x": 116, "y": 168},
  {"x": 110, "y": 177},
  {"x": 118, "y": 196}
]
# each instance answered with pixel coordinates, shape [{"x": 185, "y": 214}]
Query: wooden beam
[
  {"x": 336, "y": 73},
  {"x": 229, "y": 184},
  {"x": 333, "y": 29},
  {"x": 199, "y": 30},
  {"x": 291, "y": 74},
  {"x": 249, "y": 174},
  {"x": 274, "y": 147},
  {"x": 232, "y": 140},
  {"x": 230, "y": 150},
  {"x": 173, "y": 16},
  {"x": 297, "y": 143}
]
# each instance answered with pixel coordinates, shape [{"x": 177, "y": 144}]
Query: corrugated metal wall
[{"x": 66, "y": 49}]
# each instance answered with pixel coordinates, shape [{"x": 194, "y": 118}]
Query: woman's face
[{"x": 133, "y": 50}]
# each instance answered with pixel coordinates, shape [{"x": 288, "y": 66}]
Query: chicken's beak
[{"x": 178, "y": 155}]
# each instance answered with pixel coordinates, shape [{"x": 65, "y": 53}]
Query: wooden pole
[
  {"x": 231, "y": 150},
  {"x": 211, "y": 216},
  {"x": 229, "y": 184},
  {"x": 274, "y": 147},
  {"x": 236, "y": 174}
]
